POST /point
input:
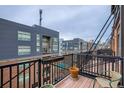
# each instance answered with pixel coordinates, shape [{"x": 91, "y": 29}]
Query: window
[
  {"x": 55, "y": 44},
  {"x": 24, "y": 36},
  {"x": 46, "y": 44},
  {"x": 24, "y": 50},
  {"x": 75, "y": 48},
  {"x": 38, "y": 49},
  {"x": 38, "y": 43},
  {"x": 55, "y": 47},
  {"x": 71, "y": 47}
]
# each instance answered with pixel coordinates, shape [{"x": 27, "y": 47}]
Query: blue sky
[{"x": 72, "y": 21}]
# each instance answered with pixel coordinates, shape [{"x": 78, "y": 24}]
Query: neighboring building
[
  {"x": 116, "y": 36},
  {"x": 89, "y": 44},
  {"x": 74, "y": 46},
  {"x": 60, "y": 45},
  {"x": 18, "y": 40},
  {"x": 93, "y": 45}
]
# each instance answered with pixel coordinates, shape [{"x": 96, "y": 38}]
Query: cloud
[{"x": 71, "y": 21}]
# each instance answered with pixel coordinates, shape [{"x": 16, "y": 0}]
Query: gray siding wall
[{"x": 9, "y": 38}]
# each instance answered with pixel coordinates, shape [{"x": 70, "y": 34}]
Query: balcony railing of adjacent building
[{"x": 53, "y": 70}]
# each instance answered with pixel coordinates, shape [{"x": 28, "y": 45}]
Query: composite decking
[{"x": 82, "y": 82}]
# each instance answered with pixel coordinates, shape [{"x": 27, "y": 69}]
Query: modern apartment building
[
  {"x": 18, "y": 40},
  {"x": 74, "y": 46},
  {"x": 60, "y": 45}
]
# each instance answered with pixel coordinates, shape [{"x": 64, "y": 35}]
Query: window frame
[
  {"x": 24, "y": 36},
  {"x": 22, "y": 50}
]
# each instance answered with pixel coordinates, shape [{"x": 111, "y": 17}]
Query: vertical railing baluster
[
  {"x": 43, "y": 74},
  {"x": 113, "y": 62},
  {"x": 1, "y": 77},
  {"x": 64, "y": 70},
  {"x": 84, "y": 62},
  {"x": 122, "y": 70},
  {"x": 72, "y": 60},
  {"x": 24, "y": 75},
  {"x": 17, "y": 76},
  {"x": 61, "y": 70},
  {"x": 52, "y": 71},
  {"x": 109, "y": 68},
  {"x": 101, "y": 66},
  {"x": 50, "y": 80},
  {"x": 118, "y": 64},
  {"x": 81, "y": 62},
  {"x": 57, "y": 72},
  {"x": 10, "y": 76},
  {"x": 118, "y": 60},
  {"x": 94, "y": 65},
  {"x": 47, "y": 72},
  {"x": 34, "y": 72},
  {"x": 39, "y": 73},
  {"x": 97, "y": 65},
  {"x": 29, "y": 70},
  {"x": 105, "y": 68},
  {"x": 88, "y": 67},
  {"x": 90, "y": 62}
]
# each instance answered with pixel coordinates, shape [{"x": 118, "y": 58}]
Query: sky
[{"x": 71, "y": 21}]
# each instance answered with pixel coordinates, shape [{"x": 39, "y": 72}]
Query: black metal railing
[
  {"x": 52, "y": 70},
  {"x": 23, "y": 74},
  {"x": 55, "y": 69},
  {"x": 35, "y": 73},
  {"x": 95, "y": 65}
]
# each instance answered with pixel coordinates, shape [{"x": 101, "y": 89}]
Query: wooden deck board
[{"x": 82, "y": 82}]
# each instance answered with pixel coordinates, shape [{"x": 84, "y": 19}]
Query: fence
[
  {"x": 35, "y": 73},
  {"x": 95, "y": 65},
  {"x": 52, "y": 70}
]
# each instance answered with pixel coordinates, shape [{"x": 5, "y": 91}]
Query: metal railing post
[
  {"x": 122, "y": 71},
  {"x": 72, "y": 60},
  {"x": 39, "y": 73}
]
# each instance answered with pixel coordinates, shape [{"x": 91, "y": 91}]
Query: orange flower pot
[{"x": 74, "y": 72}]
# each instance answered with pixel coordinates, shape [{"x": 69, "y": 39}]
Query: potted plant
[{"x": 74, "y": 71}]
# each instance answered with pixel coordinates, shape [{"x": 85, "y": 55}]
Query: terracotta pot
[{"x": 74, "y": 72}]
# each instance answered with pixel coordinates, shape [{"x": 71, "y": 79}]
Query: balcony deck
[{"x": 82, "y": 82}]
